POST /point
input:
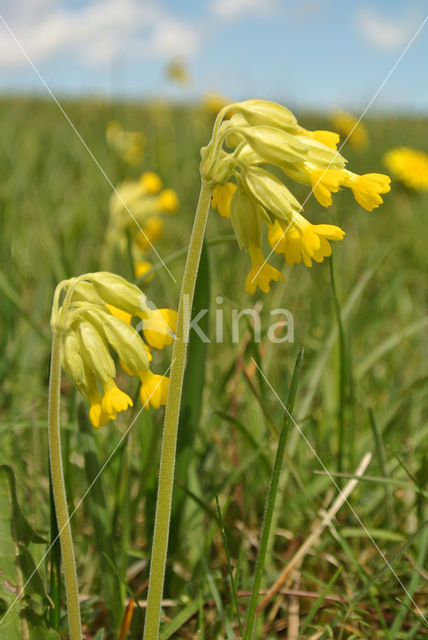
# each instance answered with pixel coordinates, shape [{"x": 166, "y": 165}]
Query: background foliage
[{"x": 53, "y": 217}]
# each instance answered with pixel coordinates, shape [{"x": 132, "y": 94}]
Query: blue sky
[{"x": 313, "y": 53}]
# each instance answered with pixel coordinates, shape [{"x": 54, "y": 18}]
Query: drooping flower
[
  {"x": 408, "y": 165},
  {"x": 94, "y": 321},
  {"x": 261, "y": 273},
  {"x": 237, "y": 165},
  {"x": 303, "y": 241},
  {"x": 367, "y": 188},
  {"x": 221, "y": 198}
]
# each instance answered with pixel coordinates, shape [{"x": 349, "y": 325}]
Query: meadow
[{"x": 361, "y": 320}]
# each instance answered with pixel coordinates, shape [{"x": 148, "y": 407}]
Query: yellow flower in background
[
  {"x": 137, "y": 210},
  {"x": 236, "y": 164},
  {"x": 167, "y": 201},
  {"x": 408, "y": 165},
  {"x": 94, "y": 321},
  {"x": 142, "y": 267},
  {"x": 177, "y": 72},
  {"x": 150, "y": 232},
  {"x": 348, "y": 125},
  {"x": 129, "y": 145},
  {"x": 214, "y": 102},
  {"x": 150, "y": 182}
]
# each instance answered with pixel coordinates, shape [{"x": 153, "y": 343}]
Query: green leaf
[{"x": 23, "y": 601}]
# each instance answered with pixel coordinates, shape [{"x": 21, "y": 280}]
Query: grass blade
[
  {"x": 229, "y": 566},
  {"x": 270, "y": 504}
]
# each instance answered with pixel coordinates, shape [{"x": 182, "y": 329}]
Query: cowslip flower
[
  {"x": 408, "y": 165},
  {"x": 137, "y": 211},
  {"x": 94, "y": 322},
  {"x": 129, "y": 145},
  {"x": 236, "y": 164},
  {"x": 350, "y": 128}
]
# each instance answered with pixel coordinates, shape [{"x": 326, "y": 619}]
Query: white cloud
[
  {"x": 383, "y": 31},
  {"x": 234, "y": 9},
  {"x": 95, "y": 33}
]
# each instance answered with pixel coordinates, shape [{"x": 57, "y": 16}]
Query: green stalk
[
  {"x": 60, "y": 500},
  {"x": 169, "y": 440}
]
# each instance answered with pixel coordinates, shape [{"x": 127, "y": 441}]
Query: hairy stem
[
  {"x": 60, "y": 500},
  {"x": 169, "y": 440}
]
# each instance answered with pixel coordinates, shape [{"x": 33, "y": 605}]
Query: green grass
[{"x": 371, "y": 374}]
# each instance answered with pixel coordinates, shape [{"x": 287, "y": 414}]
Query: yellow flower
[
  {"x": 408, "y": 165},
  {"x": 114, "y": 400},
  {"x": 141, "y": 267},
  {"x": 151, "y": 182},
  {"x": 153, "y": 390},
  {"x": 324, "y": 183},
  {"x": 303, "y": 240},
  {"x": 167, "y": 201},
  {"x": 137, "y": 210},
  {"x": 150, "y": 232},
  {"x": 158, "y": 327},
  {"x": 97, "y": 415},
  {"x": 120, "y": 313},
  {"x": 237, "y": 165},
  {"x": 368, "y": 187},
  {"x": 329, "y": 138},
  {"x": 261, "y": 273},
  {"x": 94, "y": 320},
  {"x": 221, "y": 198},
  {"x": 346, "y": 123}
]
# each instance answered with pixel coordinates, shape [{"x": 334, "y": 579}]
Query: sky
[{"x": 316, "y": 54}]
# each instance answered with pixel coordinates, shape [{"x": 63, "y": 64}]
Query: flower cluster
[
  {"x": 129, "y": 145},
  {"x": 408, "y": 165},
  {"x": 137, "y": 209},
  {"x": 92, "y": 315},
  {"x": 236, "y": 165}
]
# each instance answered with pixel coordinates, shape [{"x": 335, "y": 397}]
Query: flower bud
[
  {"x": 119, "y": 292},
  {"x": 72, "y": 360},
  {"x": 245, "y": 218},
  {"x": 123, "y": 339},
  {"x": 265, "y": 112},
  {"x": 274, "y": 145},
  {"x": 95, "y": 353},
  {"x": 271, "y": 193}
]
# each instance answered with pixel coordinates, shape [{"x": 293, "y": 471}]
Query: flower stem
[
  {"x": 169, "y": 440},
  {"x": 60, "y": 500}
]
